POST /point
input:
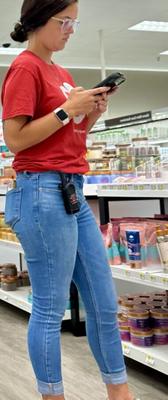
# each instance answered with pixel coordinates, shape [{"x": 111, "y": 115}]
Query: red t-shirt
[{"x": 34, "y": 88}]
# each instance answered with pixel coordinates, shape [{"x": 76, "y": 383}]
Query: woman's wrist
[
  {"x": 95, "y": 113},
  {"x": 68, "y": 108}
]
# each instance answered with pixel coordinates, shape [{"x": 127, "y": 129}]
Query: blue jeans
[{"x": 59, "y": 248}]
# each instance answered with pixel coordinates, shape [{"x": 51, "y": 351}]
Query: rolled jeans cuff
[
  {"x": 116, "y": 378},
  {"x": 50, "y": 388}
]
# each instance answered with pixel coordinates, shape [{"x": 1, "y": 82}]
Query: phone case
[{"x": 115, "y": 79}]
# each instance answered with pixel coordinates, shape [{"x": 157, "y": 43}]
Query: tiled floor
[{"x": 81, "y": 377}]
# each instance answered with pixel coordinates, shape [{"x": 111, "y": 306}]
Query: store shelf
[
  {"x": 112, "y": 191},
  {"x": 90, "y": 189},
  {"x": 158, "y": 141},
  {"x": 6, "y": 244},
  {"x": 149, "y": 276},
  {"x": 18, "y": 298},
  {"x": 149, "y": 189},
  {"x": 3, "y": 189},
  {"x": 155, "y": 357}
]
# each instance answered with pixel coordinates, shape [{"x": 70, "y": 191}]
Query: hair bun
[{"x": 19, "y": 34}]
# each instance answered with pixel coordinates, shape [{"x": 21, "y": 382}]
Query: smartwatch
[{"x": 62, "y": 116}]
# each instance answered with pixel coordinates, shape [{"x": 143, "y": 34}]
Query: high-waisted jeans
[{"x": 60, "y": 247}]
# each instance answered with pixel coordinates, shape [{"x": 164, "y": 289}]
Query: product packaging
[
  {"x": 162, "y": 241},
  {"x": 110, "y": 244},
  {"x": 140, "y": 244}
]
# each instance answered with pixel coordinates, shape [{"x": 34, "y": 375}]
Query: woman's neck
[{"x": 41, "y": 52}]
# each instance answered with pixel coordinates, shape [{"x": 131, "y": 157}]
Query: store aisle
[{"x": 82, "y": 381}]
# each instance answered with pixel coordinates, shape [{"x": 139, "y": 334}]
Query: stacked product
[
  {"x": 162, "y": 240},
  {"x": 6, "y": 232},
  {"x": 9, "y": 279},
  {"x": 124, "y": 159},
  {"x": 125, "y": 135},
  {"x": 143, "y": 319},
  {"x": 23, "y": 278},
  {"x": 138, "y": 242}
]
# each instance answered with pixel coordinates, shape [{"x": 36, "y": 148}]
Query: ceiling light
[
  {"x": 153, "y": 26},
  {"x": 12, "y": 51},
  {"x": 164, "y": 53}
]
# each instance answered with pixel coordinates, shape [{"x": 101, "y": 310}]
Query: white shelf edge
[
  {"x": 3, "y": 189},
  {"x": 90, "y": 189},
  {"x": 13, "y": 245},
  {"x": 18, "y": 298},
  {"x": 155, "y": 357},
  {"x": 141, "y": 276},
  {"x": 132, "y": 193}
]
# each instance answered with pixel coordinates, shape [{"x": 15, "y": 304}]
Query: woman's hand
[
  {"x": 82, "y": 101},
  {"x": 100, "y": 107},
  {"x": 102, "y": 103}
]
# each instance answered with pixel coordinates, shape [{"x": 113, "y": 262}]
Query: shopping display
[
  {"x": 138, "y": 242},
  {"x": 11, "y": 278},
  {"x": 131, "y": 149},
  {"x": 143, "y": 318},
  {"x": 6, "y": 232}
]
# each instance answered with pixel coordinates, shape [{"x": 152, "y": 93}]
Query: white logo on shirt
[{"x": 66, "y": 89}]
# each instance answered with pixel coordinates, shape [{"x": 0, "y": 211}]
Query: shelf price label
[
  {"x": 149, "y": 360},
  {"x": 127, "y": 272},
  {"x": 153, "y": 278},
  {"x": 142, "y": 276},
  {"x": 126, "y": 349},
  {"x": 164, "y": 280}
]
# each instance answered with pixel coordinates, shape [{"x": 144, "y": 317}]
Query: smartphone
[{"x": 115, "y": 79}]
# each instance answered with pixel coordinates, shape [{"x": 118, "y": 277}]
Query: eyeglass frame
[{"x": 75, "y": 23}]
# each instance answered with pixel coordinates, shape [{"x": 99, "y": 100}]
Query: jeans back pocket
[{"x": 13, "y": 206}]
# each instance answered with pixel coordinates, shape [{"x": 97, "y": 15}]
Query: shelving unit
[
  {"x": 8, "y": 245},
  {"x": 155, "y": 357},
  {"x": 150, "y": 276},
  {"x": 130, "y": 191},
  {"x": 19, "y": 299}
]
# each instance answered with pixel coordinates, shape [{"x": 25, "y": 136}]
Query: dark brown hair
[{"x": 36, "y": 13}]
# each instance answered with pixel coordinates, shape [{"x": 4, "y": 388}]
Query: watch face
[{"x": 62, "y": 115}]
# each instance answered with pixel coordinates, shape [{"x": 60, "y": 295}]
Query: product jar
[
  {"x": 139, "y": 319},
  {"x": 142, "y": 338},
  {"x": 125, "y": 333},
  {"x": 160, "y": 336},
  {"x": 9, "y": 270},
  {"x": 122, "y": 321},
  {"x": 156, "y": 305},
  {"x": 159, "y": 318},
  {"x": 9, "y": 277},
  {"x": 126, "y": 304},
  {"x": 8, "y": 285}
]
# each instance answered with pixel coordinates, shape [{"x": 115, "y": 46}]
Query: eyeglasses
[{"x": 67, "y": 24}]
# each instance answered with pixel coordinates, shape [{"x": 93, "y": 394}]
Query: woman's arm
[{"x": 20, "y": 134}]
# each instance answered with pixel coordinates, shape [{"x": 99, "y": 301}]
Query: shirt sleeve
[{"x": 19, "y": 94}]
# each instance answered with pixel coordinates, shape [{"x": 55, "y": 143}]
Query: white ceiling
[{"x": 130, "y": 50}]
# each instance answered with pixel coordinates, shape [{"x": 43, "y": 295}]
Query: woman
[{"x": 46, "y": 120}]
